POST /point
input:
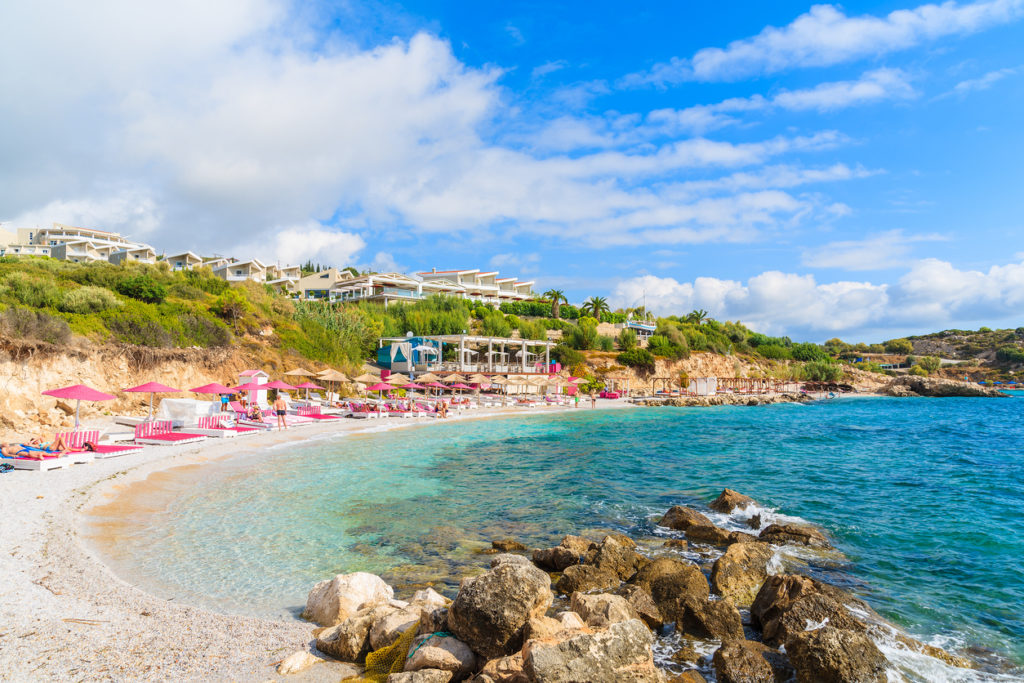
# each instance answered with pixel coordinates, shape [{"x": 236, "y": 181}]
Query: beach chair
[
  {"x": 214, "y": 425},
  {"x": 77, "y": 439},
  {"x": 160, "y": 433},
  {"x": 45, "y": 465},
  {"x": 313, "y": 412}
]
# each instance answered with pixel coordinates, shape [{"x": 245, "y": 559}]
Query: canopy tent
[
  {"x": 78, "y": 393},
  {"x": 153, "y": 388}
]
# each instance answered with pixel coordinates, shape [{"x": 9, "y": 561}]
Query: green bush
[
  {"x": 627, "y": 340},
  {"x": 899, "y": 346},
  {"x": 22, "y": 323},
  {"x": 567, "y": 356},
  {"x": 204, "y": 279},
  {"x": 807, "y": 352},
  {"x": 1010, "y": 354},
  {"x": 822, "y": 371},
  {"x": 774, "y": 352},
  {"x": 639, "y": 359},
  {"x": 201, "y": 331},
  {"x": 143, "y": 288},
  {"x": 584, "y": 336},
  {"x": 929, "y": 364},
  {"x": 89, "y": 299},
  {"x": 31, "y": 291},
  {"x": 138, "y": 326},
  {"x": 917, "y": 371},
  {"x": 605, "y": 343},
  {"x": 493, "y": 324}
]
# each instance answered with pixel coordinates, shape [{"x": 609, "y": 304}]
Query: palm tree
[
  {"x": 595, "y": 306},
  {"x": 697, "y": 316},
  {"x": 557, "y": 298}
]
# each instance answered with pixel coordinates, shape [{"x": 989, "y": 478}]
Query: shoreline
[{"x": 67, "y": 615}]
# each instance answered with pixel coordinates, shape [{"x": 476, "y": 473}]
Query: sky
[{"x": 811, "y": 170}]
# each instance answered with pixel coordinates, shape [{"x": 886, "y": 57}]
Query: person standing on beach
[
  {"x": 280, "y": 407},
  {"x": 576, "y": 400},
  {"x": 593, "y": 400}
]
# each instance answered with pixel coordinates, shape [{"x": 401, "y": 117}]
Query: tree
[
  {"x": 697, "y": 316},
  {"x": 929, "y": 363},
  {"x": 903, "y": 346},
  {"x": 231, "y": 305},
  {"x": 557, "y": 298},
  {"x": 595, "y": 306},
  {"x": 627, "y": 340}
]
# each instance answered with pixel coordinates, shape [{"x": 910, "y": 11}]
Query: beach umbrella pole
[{"x": 78, "y": 404}]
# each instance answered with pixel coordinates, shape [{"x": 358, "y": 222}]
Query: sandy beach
[{"x": 65, "y": 616}]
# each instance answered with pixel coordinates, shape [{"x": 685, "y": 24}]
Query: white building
[
  {"x": 239, "y": 271},
  {"x": 70, "y": 243},
  {"x": 481, "y": 286}
]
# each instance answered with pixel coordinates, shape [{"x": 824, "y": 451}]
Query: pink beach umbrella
[
  {"x": 307, "y": 386},
  {"x": 79, "y": 393},
  {"x": 412, "y": 385},
  {"x": 381, "y": 387},
  {"x": 213, "y": 388},
  {"x": 279, "y": 385},
  {"x": 153, "y": 388}
]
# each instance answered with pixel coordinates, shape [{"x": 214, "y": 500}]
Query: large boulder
[
  {"x": 709, "y": 534},
  {"x": 349, "y": 641},
  {"x": 728, "y": 500},
  {"x": 794, "y": 534},
  {"x": 570, "y": 551},
  {"x": 786, "y": 604},
  {"x": 600, "y": 610},
  {"x": 620, "y": 653},
  {"x": 429, "y": 599},
  {"x": 586, "y": 577},
  {"x": 548, "y": 628},
  {"x": 667, "y": 579},
  {"x": 444, "y": 653},
  {"x": 388, "y": 628},
  {"x": 332, "y": 602},
  {"x": 736, "y": 661},
  {"x": 682, "y": 518},
  {"x": 508, "y": 558},
  {"x": 297, "y": 662},
  {"x": 708, "y": 619},
  {"x": 616, "y": 557},
  {"x": 490, "y": 610},
  {"x": 507, "y": 545},
  {"x": 834, "y": 655},
  {"x": 643, "y": 604},
  {"x": 739, "y": 573}
]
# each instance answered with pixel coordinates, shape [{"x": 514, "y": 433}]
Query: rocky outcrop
[
  {"x": 736, "y": 661},
  {"x": 503, "y": 670},
  {"x": 835, "y": 655},
  {"x": 797, "y": 534},
  {"x": 785, "y": 604},
  {"x": 910, "y": 385},
  {"x": 708, "y": 619},
  {"x": 507, "y": 545},
  {"x": 667, "y": 580},
  {"x": 739, "y": 573},
  {"x": 642, "y": 604},
  {"x": 386, "y": 630},
  {"x": 728, "y": 500},
  {"x": 509, "y": 558},
  {"x": 601, "y": 610},
  {"x": 443, "y": 653},
  {"x": 713, "y": 535},
  {"x": 682, "y": 518},
  {"x": 490, "y": 610},
  {"x": 567, "y": 553},
  {"x": 620, "y": 653},
  {"x": 586, "y": 577},
  {"x": 615, "y": 557},
  {"x": 424, "y": 676},
  {"x": 725, "y": 400},
  {"x": 350, "y": 640},
  {"x": 332, "y": 602}
]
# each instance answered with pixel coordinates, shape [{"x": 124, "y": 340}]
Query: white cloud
[
  {"x": 825, "y": 36},
  {"x": 310, "y": 241},
  {"x": 876, "y": 252},
  {"x": 117, "y": 212},
  {"x": 523, "y": 263},
  {"x": 932, "y": 295},
  {"x": 984, "y": 82},
  {"x": 384, "y": 262},
  {"x": 548, "y": 68}
]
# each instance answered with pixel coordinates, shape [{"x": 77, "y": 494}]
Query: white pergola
[{"x": 485, "y": 354}]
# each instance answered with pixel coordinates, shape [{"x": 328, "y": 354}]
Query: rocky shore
[
  {"x": 723, "y": 400},
  {"x": 910, "y": 386},
  {"x": 592, "y": 611}
]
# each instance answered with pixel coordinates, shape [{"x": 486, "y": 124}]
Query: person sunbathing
[
  {"x": 31, "y": 450},
  {"x": 255, "y": 413}
]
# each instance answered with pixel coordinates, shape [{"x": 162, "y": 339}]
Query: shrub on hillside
[
  {"x": 627, "y": 340},
  {"x": 774, "y": 352},
  {"x": 1010, "y": 354},
  {"x": 605, "y": 343},
  {"x": 89, "y": 299},
  {"x": 31, "y": 291},
  {"x": 135, "y": 326},
  {"x": 584, "y": 336},
  {"x": 567, "y": 356},
  {"x": 143, "y": 288},
  {"x": 197, "y": 330},
  {"x": 929, "y": 364},
  {"x": 807, "y": 352},
  {"x": 22, "y": 323},
  {"x": 917, "y": 371},
  {"x": 822, "y": 371},
  {"x": 640, "y": 360},
  {"x": 899, "y": 346}
]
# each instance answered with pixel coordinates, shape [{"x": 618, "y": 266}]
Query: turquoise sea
[{"x": 924, "y": 497}]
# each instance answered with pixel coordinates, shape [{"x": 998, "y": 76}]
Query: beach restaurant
[{"x": 465, "y": 353}]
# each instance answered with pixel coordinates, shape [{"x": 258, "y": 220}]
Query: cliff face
[{"x": 29, "y": 368}]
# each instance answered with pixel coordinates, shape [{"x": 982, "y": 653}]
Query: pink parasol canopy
[
  {"x": 278, "y": 384},
  {"x": 380, "y": 386},
  {"x": 79, "y": 393},
  {"x": 459, "y": 385},
  {"x": 153, "y": 388},
  {"x": 213, "y": 388},
  {"x": 413, "y": 385},
  {"x": 437, "y": 385},
  {"x": 253, "y": 386}
]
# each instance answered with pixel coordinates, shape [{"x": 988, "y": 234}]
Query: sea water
[{"x": 923, "y": 497}]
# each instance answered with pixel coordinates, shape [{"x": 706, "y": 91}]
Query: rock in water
[
  {"x": 332, "y": 602},
  {"x": 682, "y": 518},
  {"x": 643, "y": 604},
  {"x": 781, "y": 534},
  {"x": 602, "y": 609},
  {"x": 621, "y": 653},
  {"x": 555, "y": 559},
  {"x": 737, "y": 662},
  {"x": 508, "y": 558},
  {"x": 728, "y": 500},
  {"x": 490, "y": 610},
  {"x": 668, "y": 579},
  {"x": 708, "y": 620},
  {"x": 349, "y": 641},
  {"x": 507, "y": 545},
  {"x": 444, "y": 653},
  {"x": 833, "y": 655},
  {"x": 785, "y": 603},
  {"x": 615, "y": 557},
  {"x": 739, "y": 573}
]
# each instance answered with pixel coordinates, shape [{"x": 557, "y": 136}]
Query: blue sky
[{"x": 814, "y": 170}]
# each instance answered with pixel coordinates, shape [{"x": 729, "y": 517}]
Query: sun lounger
[
  {"x": 45, "y": 465},
  {"x": 159, "y": 433},
  {"x": 77, "y": 439},
  {"x": 314, "y": 413},
  {"x": 214, "y": 425}
]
